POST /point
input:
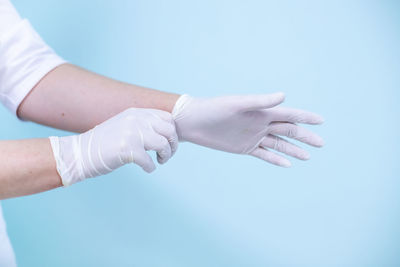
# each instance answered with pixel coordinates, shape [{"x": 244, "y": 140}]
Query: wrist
[
  {"x": 178, "y": 115},
  {"x": 68, "y": 159},
  {"x": 171, "y": 101}
]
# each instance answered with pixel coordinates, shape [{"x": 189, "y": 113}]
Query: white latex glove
[
  {"x": 123, "y": 139},
  {"x": 245, "y": 125}
]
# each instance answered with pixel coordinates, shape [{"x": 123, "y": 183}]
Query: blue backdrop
[{"x": 208, "y": 208}]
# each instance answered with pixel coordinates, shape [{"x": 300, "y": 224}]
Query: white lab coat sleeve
[{"x": 24, "y": 57}]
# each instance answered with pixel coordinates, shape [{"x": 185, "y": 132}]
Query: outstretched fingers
[
  {"x": 284, "y": 114},
  {"x": 268, "y": 156},
  {"x": 283, "y": 146},
  {"x": 296, "y": 132},
  {"x": 254, "y": 102}
]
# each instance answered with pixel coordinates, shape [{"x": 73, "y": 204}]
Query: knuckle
[
  {"x": 129, "y": 121},
  {"x": 165, "y": 144},
  {"x": 162, "y": 144},
  {"x": 296, "y": 118},
  {"x": 166, "y": 115},
  {"x": 281, "y": 146},
  {"x": 127, "y": 134},
  {"x": 161, "y": 115},
  {"x": 276, "y": 143},
  {"x": 170, "y": 130},
  {"x": 292, "y": 131}
]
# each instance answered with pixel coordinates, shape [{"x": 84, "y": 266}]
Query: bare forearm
[
  {"x": 74, "y": 99},
  {"x": 27, "y": 167}
]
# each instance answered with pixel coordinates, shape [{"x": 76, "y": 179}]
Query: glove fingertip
[
  {"x": 319, "y": 120},
  {"x": 149, "y": 169},
  {"x": 161, "y": 160},
  {"x": 285, "y": 164},
  {"x": 279, "y": 98}
]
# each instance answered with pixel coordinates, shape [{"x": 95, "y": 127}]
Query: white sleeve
[{"x": 24, "y": 57}]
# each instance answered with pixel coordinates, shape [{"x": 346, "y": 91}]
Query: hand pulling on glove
[{"x": 123, "y": 139}]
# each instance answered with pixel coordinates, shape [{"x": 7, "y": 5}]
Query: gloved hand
[
  {"x": 123, "y": 139},
  {"x": 245, "y": 125}
]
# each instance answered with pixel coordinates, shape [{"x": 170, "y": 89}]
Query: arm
[
  {"x": 60, "y": 93},
  {"x": 74, "y": 99},
  {"x": 27, "y": 167}
]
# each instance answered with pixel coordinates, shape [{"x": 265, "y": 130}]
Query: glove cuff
[
  {"x": 180, "y": 105},
  {"x": 178, "y": 113},
  {"x": 67, "y": 159}
]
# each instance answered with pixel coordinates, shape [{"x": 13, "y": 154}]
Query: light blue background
[{"x": 208, "y": 208}]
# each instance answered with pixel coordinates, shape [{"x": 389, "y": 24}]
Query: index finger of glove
[
  {"x": 295, "y": 115},
  {"x": 158, "y": 143},
  {"x": 296, "y": 132},
  {"x": 163, "y": 115},
  {"x": 254, "y": 102},
  {"x": 169, "y": 132},
  {"x": 141, "y": 158}
]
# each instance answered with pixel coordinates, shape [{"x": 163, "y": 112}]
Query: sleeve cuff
[{"x": 24, "y": 60}]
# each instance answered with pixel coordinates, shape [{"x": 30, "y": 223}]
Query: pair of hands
[{"x": 238, "y": 124}]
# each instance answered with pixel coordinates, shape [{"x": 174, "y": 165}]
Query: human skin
[
  {"x": 27, "y": 167},
  {"x": 72, "y": 99},
  {"x": 76, "y": 100}
]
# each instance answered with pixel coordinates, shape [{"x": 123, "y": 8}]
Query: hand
[
  {"x": 123, "y": 139},
  {"x": 246, "y": 125}
]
